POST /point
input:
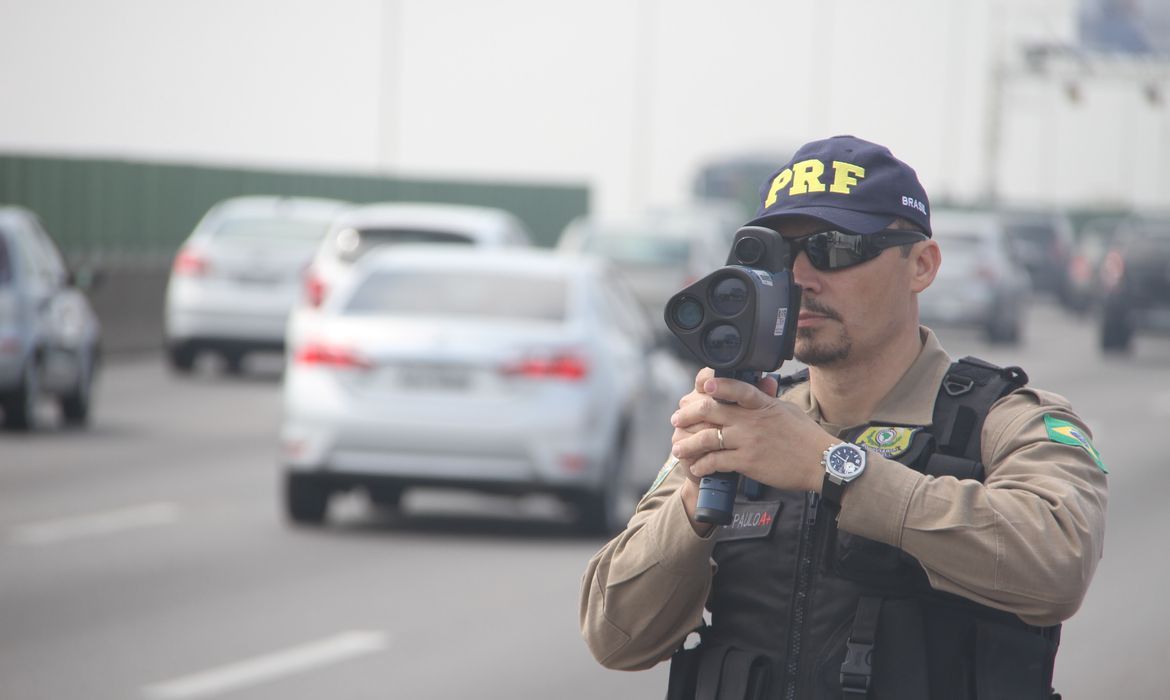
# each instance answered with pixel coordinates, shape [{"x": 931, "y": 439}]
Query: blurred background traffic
[{"x": 331, "y": 338}]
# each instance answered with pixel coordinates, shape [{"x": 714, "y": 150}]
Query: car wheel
[
  {"x": 20, "y": 408},
  {"x": 306, "y": 499},
  {"x": 75, "y": 404},
  {"x": 181, "y": 357},
  {"x": 605, "y": 512},
  {"x": 1004, "y": 332},
  {"x": 1116, "y": 333},
  {"x": 385, "y": 497},
  {"x": 233, "y": 362}
]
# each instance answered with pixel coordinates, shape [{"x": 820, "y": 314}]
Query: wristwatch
[{"x": 843, "y": 463}]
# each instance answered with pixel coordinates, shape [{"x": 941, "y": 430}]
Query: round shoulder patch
[{"x": 887, "y": 440}]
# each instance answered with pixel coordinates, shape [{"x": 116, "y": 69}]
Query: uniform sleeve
[
  {"x": 645, "y": 590},
  {"x": 1027, "y": 540}
]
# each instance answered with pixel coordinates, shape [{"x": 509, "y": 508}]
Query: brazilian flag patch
[
  {"x": 888, "y": 441},
  {"x": 1068, "y": 434}
]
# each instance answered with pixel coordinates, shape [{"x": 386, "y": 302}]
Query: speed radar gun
[{"x": 741, "y": 321}]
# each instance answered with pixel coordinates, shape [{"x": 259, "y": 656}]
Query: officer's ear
[{"x": 925, "y": 257}]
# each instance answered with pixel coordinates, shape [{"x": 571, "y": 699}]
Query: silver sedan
[
  {"x": 238, "y": 275},
  {"x": 49, "y": 334},
  {"x": 502, "y": 370}
]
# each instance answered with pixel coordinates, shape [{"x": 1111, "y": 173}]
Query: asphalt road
[{"x": 147, "y": 558}]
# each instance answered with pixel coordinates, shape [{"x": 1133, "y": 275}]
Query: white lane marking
[
  {"x": 267, "y": 667},
  {"x": 94, "y": 524}
]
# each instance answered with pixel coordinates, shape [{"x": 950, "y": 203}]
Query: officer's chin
[{"x": 817, "y": 352}]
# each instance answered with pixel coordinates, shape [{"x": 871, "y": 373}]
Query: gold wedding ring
[{"x": 719, "y": 432}]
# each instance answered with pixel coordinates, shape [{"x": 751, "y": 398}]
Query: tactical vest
[{"x": 802, "y": 611}]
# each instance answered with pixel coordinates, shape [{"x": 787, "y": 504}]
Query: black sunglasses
[{"x": 837, "y": 250}]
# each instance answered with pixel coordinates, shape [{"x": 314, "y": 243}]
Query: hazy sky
[{"x": 627, "y": 96}]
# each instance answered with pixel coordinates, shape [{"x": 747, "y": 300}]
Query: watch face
[{"x": 846, "y": 461}]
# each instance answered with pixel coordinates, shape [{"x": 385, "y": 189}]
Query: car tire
[
  {"x": 306, "y": 499},
  {"x": 181, "y": 357},
  {"x": 1116, "y": 333},
  {"x": 603, "y": 512},
  {"x": 386, "y": 498},
  {"x": 75, "y": 405},
  {"x": 233, "y": 362},
  {"x": 1004, "y": 332},
  {"x": 20, "y": 406}
]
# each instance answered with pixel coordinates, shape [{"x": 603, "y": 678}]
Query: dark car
[
  {"x": 1042, "y": 242},
  {"x": 1083, "y": 283},
  {"x": 1135, "y": 280},
  {"x": 49, "y": 334}
]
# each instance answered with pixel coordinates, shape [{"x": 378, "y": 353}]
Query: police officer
[{"x": 907, "y": 526}]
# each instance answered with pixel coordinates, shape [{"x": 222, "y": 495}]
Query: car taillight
[
  {"x": 986, "y": 273},
  {"x": 330, "y": 356},
  {"x": 1112, "y": 269},
  {"x": 190, "y": 264},
  {"x": 567, "y": 367},
  {"x": 1080, "y": 270},
  {"x": 9, "y": 345},
  {"x": 314, "y": 289}
]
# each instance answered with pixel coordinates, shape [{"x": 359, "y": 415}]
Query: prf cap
[{"x": 847, "y": 182}]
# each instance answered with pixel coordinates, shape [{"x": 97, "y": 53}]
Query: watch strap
[
  {"x": 833, "y": 489},
  {"x": 832, "y": 492}
]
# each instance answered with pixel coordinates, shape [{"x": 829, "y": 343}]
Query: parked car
[
  {"x": 374, "y": 226},
  {"x": 1135, "y": 279},
  {"x": 237, "y": 276},
  {"x": 1042, "y": 242},
  {"x": 506, "y": 371},
  {"x": 979, "y": 283},
  {"x": 659, "y": 251},
  {"x": 50, "y": 338}
]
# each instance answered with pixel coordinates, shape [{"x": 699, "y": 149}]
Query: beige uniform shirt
[{"x": 1026, "y": 540}]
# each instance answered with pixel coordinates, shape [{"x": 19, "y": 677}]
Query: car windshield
[
  {"x": 1034, "y": 242},
  {"x": 963, "y": 243},
  {"x": 960, "y": 249},
  {"x": 635, "y": 248},
  {"x": 276, "y": 230},
  {"x": 1035, "y": 234},
  {"x": 353, "y": 243},
  {"x": 480, "y": 294}
]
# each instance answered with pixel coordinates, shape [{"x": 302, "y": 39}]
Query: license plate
[
  {"x": 258, "y": 277},
  {"x": 434, "y": 378}
]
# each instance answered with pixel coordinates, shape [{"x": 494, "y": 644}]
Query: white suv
[{"x": 362, "y": 229}]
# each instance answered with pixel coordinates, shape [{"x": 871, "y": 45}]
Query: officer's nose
[{"x": 803, "y": 272}]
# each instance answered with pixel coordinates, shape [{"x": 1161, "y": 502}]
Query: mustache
[{"x": 812, "y": 305}]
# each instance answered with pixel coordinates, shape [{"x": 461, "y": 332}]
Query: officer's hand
[
  {"x": 697, "y": 394},
  {"x": 682, "y": 430},
  {"x": 767, "y": 384},
  {"x": 764, "y": 438}
]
